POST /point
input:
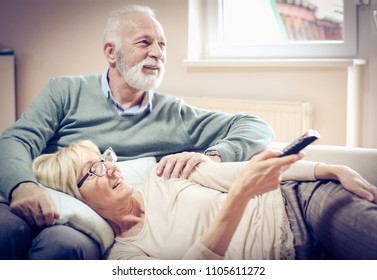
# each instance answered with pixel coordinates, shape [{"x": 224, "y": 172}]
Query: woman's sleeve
[
  {"x": 200, "y": 252},
  {"x": 301, "y": 170},
  {"x": 125, "y": 251},
  {"x": 216, "y": 175},
  {"x": 220, "y": 175}
]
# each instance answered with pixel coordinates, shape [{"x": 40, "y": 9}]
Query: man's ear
[{"x": 109, "y": 51}]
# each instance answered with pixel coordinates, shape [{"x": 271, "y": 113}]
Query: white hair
[{"x": 111, "y": 32}]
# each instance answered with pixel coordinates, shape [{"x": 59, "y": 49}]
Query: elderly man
[{"x": 119, "y": 109}]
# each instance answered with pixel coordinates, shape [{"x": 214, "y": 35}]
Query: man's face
[{"x": 141, "y": 56}]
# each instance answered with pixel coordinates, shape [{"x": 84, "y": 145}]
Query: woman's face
[{"x": 107, "y": 191}]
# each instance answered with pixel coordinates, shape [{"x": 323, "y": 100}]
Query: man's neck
[{"x": 122, "y": 93}]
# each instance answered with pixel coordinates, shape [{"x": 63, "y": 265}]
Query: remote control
[{"x": 300, "y": 143}]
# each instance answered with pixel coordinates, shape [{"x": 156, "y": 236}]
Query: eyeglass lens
[
  {"x": 99, "y": 168},
  {"x": 109, "y": 155}
]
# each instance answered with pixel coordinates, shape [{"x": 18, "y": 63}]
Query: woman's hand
[
  {"x": 262, "y": 173},
  {"x": 258, "y": 176},
  {"x": 349, "y": 179}
]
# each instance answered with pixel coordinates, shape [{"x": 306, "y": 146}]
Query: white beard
[{"x": 135, "y": 77}]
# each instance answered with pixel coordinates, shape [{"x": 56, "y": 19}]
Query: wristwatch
[{"x": 212, "y": 153}]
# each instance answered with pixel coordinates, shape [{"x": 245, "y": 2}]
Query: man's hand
[
  {"x": 349, "y": 179},
  {"x": 33, "y": 204},
  {"x": 180, "y": 165}
]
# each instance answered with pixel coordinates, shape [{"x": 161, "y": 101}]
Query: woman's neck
[{"x": 127, "y": 221}]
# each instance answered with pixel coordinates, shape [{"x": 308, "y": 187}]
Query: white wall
[{"x": 63, "y": 37}]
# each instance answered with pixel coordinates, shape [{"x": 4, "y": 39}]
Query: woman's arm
[
  {"x": 348, "y": 178},
  {"x": 351, "y": 180},
  {"x": 216, "y": 175},
  {"x": 258, "y": 176}
]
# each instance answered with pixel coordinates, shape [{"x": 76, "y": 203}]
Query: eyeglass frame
[{"x": 113, "y": 158}]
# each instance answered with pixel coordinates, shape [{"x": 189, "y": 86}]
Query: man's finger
[
  {"x": 24, "y": 213},
  {"x": 168, "y": 169},
  {"x": 190, "y": 165},
  {"x": 48, "y": 212},
  {"x": 177, "y": 170},
  {"x": 39, "y": 219},
  {"x": 160, "y": 166}
]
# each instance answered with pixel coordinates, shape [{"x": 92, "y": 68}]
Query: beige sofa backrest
[{"x": 362, "y": 160}]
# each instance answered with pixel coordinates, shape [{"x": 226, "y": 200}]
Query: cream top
[{"x": 178, "y": 211}]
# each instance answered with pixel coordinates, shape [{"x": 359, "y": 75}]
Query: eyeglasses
[{"x": 99, "y": 168}]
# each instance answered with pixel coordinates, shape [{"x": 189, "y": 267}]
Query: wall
[
  {"x": 368, "y": 33},
  {"x": 7, "y": 91},
  {"x": 63, "y": 37}
]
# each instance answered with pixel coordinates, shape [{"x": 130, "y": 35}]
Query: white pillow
[{"x": 78, "y": 215}]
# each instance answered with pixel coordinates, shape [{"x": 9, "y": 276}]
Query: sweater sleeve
[
  {"x": 27, "y": 138},
  {"x": 237, "y": 137}
]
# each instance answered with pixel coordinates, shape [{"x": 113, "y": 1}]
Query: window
[{"x": 278, "y": 28}]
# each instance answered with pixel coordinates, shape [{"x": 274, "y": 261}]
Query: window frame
[{"x": 213, "y": 48}]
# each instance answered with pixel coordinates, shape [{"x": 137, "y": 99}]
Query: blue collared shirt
[{"x": 129, "y": 111}]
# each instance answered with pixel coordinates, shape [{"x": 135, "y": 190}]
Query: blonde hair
[{"x": 61, "y": 170}]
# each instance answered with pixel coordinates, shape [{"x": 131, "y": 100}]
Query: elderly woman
[{"x": 223, "y": 210}]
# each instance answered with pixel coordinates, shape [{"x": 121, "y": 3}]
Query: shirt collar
[{"x": 145, "y": 103}]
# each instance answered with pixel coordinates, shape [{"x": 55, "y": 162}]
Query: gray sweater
[{"x": 74, "y": 108}]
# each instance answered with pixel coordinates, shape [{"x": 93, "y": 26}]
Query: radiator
[{"x": 288, "y": 119}]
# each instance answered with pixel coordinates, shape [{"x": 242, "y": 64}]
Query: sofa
[
  {"x": 363, "y": 160},
  {"x": 76, "y": 214}
]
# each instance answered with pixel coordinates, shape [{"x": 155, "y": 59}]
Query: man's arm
[
  {"x": 236, "y": 137},
  {"x": 26, "y": 139},
  {"x": 222, "y": 136},
  {"x": 34, "y": 204},
  {"x": 19, "y": 144}
]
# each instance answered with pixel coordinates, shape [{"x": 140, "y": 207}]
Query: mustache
[{"x": 152, "y": 62}]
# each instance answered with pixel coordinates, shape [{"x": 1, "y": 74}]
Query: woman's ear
[{"x": 109, "y": 51}]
